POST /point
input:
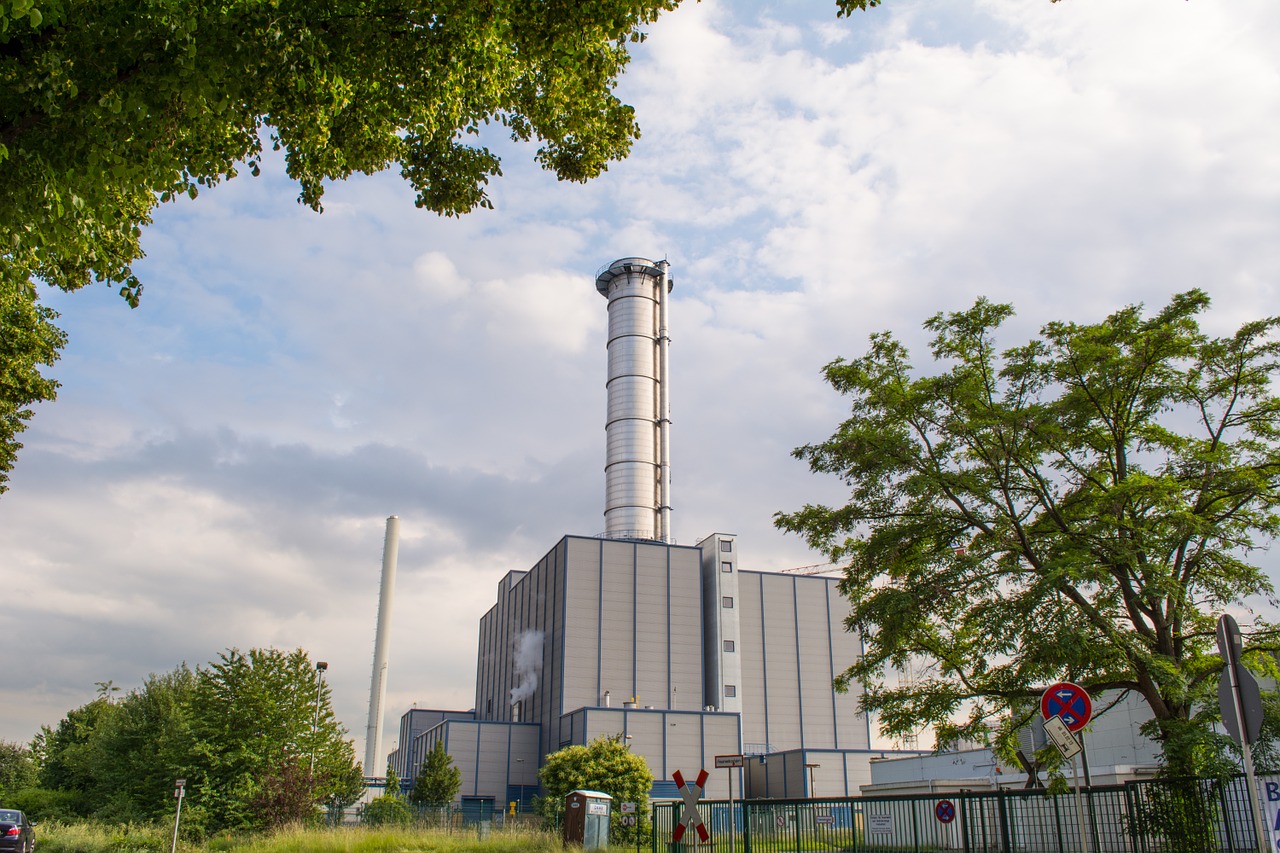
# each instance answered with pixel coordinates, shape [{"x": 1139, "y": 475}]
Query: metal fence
[{"x": 1151, "y": 816}]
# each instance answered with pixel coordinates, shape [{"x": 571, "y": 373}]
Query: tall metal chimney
[
  {"x": 637, "y": 502},
  {"x": 373, "y": 758}
]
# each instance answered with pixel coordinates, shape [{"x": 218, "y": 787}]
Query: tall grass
[
  {"x": 97, "y": 838},
  {"x": 55, "y": 837}
]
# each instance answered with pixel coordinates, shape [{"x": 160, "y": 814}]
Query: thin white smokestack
[{"x": 373, "y": 765}]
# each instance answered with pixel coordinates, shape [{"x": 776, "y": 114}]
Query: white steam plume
[{"x": 528, "y": 663}]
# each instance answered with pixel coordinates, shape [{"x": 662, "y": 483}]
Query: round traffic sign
[
  {"x": 1070, "y": 702},
  {"x": 945, "y": 811}
]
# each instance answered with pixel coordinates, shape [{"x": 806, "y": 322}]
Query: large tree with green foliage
[
  {"x": 606, "y": 764},
  {"x": 438, "y": 780},
  {"x": 1079, "y": 507},
  {"x": 109, "y": 108},
  {"x": 17, "y": 768},
  {"x": 67, "y": 754},
  {"x": 141, "y": 747},
  {"x": 256, "y": 735}
]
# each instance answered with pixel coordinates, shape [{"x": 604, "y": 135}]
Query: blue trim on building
[
  {"x": 475, "y": 769},
  {"x": 831, "y": 659},
  {"x": 600, "y": 621},
  {"x": 668, "y": 593},
  {"x": 795, "y": 612},
  {"x": 764, "y": 663},
  {"x": 635, "y": 629},
  {"x": 508, "y": 773},
  {"x": 562, "y": 579}
]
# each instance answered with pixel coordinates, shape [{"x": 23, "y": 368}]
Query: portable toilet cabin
[{"x": 586, "y": 819}]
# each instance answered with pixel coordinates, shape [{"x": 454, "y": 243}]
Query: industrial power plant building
[{"x": 677, "y": 649}]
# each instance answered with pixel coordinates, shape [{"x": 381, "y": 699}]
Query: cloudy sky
[{"x": 220, "y": 462}]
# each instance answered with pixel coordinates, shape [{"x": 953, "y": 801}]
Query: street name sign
[{"x": 1062, "y": 737}]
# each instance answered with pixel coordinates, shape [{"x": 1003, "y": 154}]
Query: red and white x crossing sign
[{"x": 689, "y": 816}]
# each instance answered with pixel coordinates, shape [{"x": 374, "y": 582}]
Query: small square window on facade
[
  {"x": 726, "y": 545},
  {"x": 728, "y": 645},
  {"x": 726, "y": 567},
  {"x": 730, "y": 691},
  {"x": 727, "y": 602}
]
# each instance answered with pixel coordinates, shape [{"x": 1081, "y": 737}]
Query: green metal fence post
[
  {"x": 964, "y": 821},
  {"x": 1226, "y": 815},
  {"x": 1057, "y": 824},
  {"x": 1004, "y": 822}
]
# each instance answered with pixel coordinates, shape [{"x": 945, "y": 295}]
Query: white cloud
[{"x": 221, "y": 460}]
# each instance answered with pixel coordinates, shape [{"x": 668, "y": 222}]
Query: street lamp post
[{"x": 321, "y": 666}]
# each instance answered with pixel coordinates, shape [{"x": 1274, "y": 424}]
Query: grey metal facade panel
[
  {"x": 414, "y": 724},
  {"x": 846, "y": 647},
  {"x": 793, "y": 643},
  {"x": 531, "y": 606},
  {"x": 785, "y": 707},
  {"x": 814, "y": 659},
  {"x": 687, "y": 741},
  {"x": 721, "y": 625},
  {"x": 751, "y": 657},
  {"x": 580, "y": 682},
  {"x": 489, "y": 755}
]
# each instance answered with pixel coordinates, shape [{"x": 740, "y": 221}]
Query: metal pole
[
  {"x": 1084, "y": 839},
  {"x": 730, "y": 772},
  {"x": 321, "y": 666},
  {"x": 1088, "y": 783},
  {"x": 664, "y": 409},
  {"x": 1246, "y": 751},
  {"x": 173, "y": 848}
]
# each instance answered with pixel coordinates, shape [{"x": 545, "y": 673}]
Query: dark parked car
[{"x": 16, "y": 832}]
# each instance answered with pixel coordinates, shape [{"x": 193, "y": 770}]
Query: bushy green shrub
[
  {"x": 387, "y": 810},
  {"x": 45, "y": 804}
]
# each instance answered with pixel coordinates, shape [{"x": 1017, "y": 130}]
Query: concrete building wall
[
  {"x": 687, "y": 741},
  {"x": 405, "y": 759},
  {"x": 609, "y": 616},
  {"x": 793, "y": 644},
  {"x": 634, "y": 625},
  {"x": 526, "y": 621},
  {"x": 787, "y": 775},
  {"x": 496, "y": 760},
  {"x": 722, "y": 638}
]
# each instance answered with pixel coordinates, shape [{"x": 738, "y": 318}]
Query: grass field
[{"x": 89, "y": 838}]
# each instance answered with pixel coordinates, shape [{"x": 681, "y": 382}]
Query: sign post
[
  {"x": 1241, "y": 704},
  {"x": 1066, "y": 708},
  {"x": 630, "y": 818},
  {"x": 730, "y": 763},
  {"x": 178, "y": 786}
]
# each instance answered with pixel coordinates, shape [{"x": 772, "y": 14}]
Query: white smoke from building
[{"x": 528, "y": 663}]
